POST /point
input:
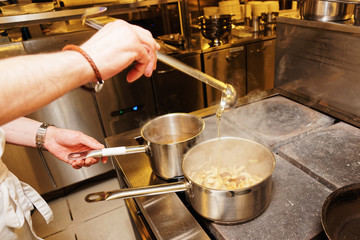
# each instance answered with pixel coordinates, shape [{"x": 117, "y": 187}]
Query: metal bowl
[
  {"x": 326, "y": 11},
  {"x": 215, "y": 28}
]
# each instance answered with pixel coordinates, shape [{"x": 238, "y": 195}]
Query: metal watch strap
[{"x": 40, "y": 135}]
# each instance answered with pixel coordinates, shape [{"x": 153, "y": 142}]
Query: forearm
[
  {"x": 33, "y": 81},
  {"x": 21, "y": 131}
]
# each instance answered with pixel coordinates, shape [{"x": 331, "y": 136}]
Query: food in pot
[{"x": 226, "y": 178}]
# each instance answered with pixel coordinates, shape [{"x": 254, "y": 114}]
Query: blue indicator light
[{"x": 135, "y": 108}]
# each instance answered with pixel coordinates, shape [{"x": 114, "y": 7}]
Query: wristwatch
[{"x": 40, "y": 135}]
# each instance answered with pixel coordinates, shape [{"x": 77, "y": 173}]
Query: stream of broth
[{"x": 218, "y": 157}]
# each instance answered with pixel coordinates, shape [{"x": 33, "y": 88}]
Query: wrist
[{"x": 99, "y": 79}]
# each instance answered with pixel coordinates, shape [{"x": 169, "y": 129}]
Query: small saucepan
[
  {"x": 164, "y": 139},
  {"x": 226, "y": 180},
  {"x": 340, "y": 216}
]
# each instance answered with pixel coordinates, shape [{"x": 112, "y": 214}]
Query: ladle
[{"x": 229, "y": 95}]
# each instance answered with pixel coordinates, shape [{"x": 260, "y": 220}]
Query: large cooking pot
[
  {"x": 340, "y": 215},
  {"x": 326, "y": 11},
  {"x": 217, "y": 203}
]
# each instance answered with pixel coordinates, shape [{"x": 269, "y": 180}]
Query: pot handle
[
  {"x": 105, "y": 152},
  {"x": 137, "y": 192}
]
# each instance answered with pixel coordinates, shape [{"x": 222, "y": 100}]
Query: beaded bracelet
[{"x": 100, "y": 81}]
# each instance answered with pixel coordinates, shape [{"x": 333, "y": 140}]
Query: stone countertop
[
  {"x": 331, "y": 155},
  {"x": 277, "y": 120}
]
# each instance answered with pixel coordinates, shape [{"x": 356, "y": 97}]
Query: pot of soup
[{"x": 226, "y": 180}]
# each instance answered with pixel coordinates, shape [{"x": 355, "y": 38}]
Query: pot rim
[
  {"x": 166, "y": 116},
  {"x": 191, "y": 181}
]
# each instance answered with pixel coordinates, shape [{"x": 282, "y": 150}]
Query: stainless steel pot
[
  {"x": 215, "y": 28},
  {"x": 222, "y": 206},
  {"x": 326, "y": 10},
  {"x": 164, "y": 139},
  {"x": 168, "y": 138}
]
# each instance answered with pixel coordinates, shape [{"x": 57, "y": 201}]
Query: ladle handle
[{"x": 137, "y": 192}]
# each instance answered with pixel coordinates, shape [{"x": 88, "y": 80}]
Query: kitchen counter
[
  {"x": 297, "y": 197},
  {"x": 199, "y": 44}
]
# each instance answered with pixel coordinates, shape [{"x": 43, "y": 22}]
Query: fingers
[
  {"x": 145, "y": 65},
  {"x": 77, "y": 164},
  {"x": 89, "y": 141},
  {"x": 147, "y": 38},
  {"x": 147, "y": 62},
  {"x": 117, "y": 45}
]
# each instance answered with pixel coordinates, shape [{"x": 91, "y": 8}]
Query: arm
[
  {"x": 29, "y": 82},
  {"x": 60, "y": 142}
]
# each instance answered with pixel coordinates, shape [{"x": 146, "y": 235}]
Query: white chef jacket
[{"x": 17, "y": 199}]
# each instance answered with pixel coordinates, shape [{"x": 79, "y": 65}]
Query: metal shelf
[{"x": 63, "y": 14}]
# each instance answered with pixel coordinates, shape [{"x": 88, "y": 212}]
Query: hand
[
  {"x": 62, "y": 142},
  {"x": 117, "y": 45}
]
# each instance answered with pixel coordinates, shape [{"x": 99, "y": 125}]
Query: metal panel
[
  {"x": 75, "y": 110},
  {"x": 176, "y": 91},
  {"x": 317, "y": 63},
  {"x": 229, "y": 66},
  {"x": 118, "y": 101},
  {"x": 260, "y": 65},
  {"x": 28, "y": 166}
]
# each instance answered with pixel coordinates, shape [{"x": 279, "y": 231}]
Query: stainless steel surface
[
  {"x": 345, "y": 1},
  {"x": 27, "y": 164},
  {"x": 229, "y": 98},
  {"x": 12, "y": 49},
  {"x": 228, "y": 65},
  {"x": 169, "y": 137},
  {"x": 306, "y": 47},
  {"x": 260, "y": 66},
  {"x": 53, "y": 174},
  {"x": 136, "y": 172},
  {"x": 357, "y": 14},
  {"x": 223, "y": 206},
  {"x": 325, "y": 10},
  {"x": 38, "y": 18},
  {"x": 75, "y": 110},
  {"x": 69, "y": 14}
]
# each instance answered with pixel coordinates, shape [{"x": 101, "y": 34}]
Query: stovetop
[{"x": 313, "y": 155}]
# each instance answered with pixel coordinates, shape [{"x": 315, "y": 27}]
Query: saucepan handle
[
  {"x": 105, "y": 152},
  {"x": 137, "y": 192}
]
